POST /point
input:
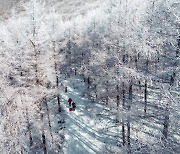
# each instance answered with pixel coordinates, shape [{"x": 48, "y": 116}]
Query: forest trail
[{"x": 83, "y": 132}]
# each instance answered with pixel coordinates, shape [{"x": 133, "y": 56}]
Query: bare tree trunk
[
  {"x": 35, "y": 65},
  {"x": 130, "y": 96},
  {"x": 34, "y": 46},
  {"x": 128, "y": 131},
  {"x": 124, "y": 59},
  {"x": 139, "y": 82},
  {"x": 57, "y": 78},
  {"x": 123, "y": 123},
  {"x": 128, "y": 118},
  {"x": 107, "y": 97},
  {"x": 118, "y": 97},
  {"x": 147, "y": 65},
  {"x": 88, "y": 81},
  {"x": 123, "y": 132},
  {"x": 44, "y": 142},
  {"x": 136, "y": 62},
  {"x": 49, "y": 121},
  {"x": 59, "y": 104},
  {"x": 166, "y": 123},
  {"x": 29, "y": 129},
  {"x": 118, "y": 102},
  {"x": 145, "y": 96},
  {"x": 43, "y": 134},
  {"x": 123, "y": 105},
  {"x": 75, "y": 71}
]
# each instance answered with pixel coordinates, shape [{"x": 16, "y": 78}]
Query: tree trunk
[
  {"x": 123, "y": 93},
  {"x": 128, "y": 132},
  {"x": 166, "y": 123},
  {"x": 128, "y": 135},
  {"x": 118, "y": 101},
  {"x": 136, "y": 62},
  {"x": 139, "y": 85},
  {"x": 118, "y": 97},
  {"x": 123, "y": 123},
  {"x": 124, "y": 59},
  {"x": 44, "y": 142},
  {"x": 36, "y": 63},
  {"x": 49, "y": 121},
  {"x": 145, "y": 97},
  {"x": 128, "y": 118},
  {"x": 43, "y": 134},
  {"x": 107, "y": 97},
  {"x": 75, "y": 71},
  {"x": 147, "y": 65},
  {"x": 123, "y": 132},
  {"x": 57, "y": 81},
  {"x": 130, "y": 96},
  {"x": 88, "y": 81},
  {"x": 29, "y": 129},
  {"x": 34, "y": 46},
  {"x": 59, "y": 103},
  {"x": 57, "y": 78}
]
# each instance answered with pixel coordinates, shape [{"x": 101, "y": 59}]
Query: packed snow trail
[
  {"x": 79, "y": 135},
  {"x": 83, "y": 132}
]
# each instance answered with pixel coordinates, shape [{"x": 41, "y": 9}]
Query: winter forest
[{"x": 118, "y": 60}]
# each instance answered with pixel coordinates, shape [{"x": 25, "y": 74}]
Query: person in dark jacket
[
  {"x": 70, "y": 101},
  {"x": 73, "y": 106},
  {"x": 65, "y": 89}
]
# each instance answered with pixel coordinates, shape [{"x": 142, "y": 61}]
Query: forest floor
[
  {"x": 85, "y": 131},
  {"x": 92, "y": 128}
]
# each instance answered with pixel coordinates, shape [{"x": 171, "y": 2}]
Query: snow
[
  {"x": 108, "y": 43},
  {"x": 84, "y": 130}
]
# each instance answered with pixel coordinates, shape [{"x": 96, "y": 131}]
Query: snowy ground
[
  {"x": 85, "y": 132},
  {"x": 92, "y": 129}
]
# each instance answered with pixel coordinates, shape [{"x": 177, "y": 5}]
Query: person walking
[
  {"x": 74, "y": 106},
  {"x": 70, "y": 101}
]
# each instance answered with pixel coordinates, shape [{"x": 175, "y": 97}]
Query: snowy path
[{"x": 83, "y": 133}]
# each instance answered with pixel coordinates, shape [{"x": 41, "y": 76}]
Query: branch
[{"x": 32, "y": 43}]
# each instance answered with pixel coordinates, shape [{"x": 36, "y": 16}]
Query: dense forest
[{"x": 118, "y": 59}]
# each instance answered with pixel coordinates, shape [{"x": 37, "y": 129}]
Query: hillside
[{"x": 117, "y": 61}]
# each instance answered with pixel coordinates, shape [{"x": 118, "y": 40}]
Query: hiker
[
  {"x": 65, "y": 89},
  {"x": 73, "y": 106},
  {"x": 70, "y": 101}
]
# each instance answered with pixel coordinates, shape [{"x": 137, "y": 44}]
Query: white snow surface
[{"x": 85, "y": 131}]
